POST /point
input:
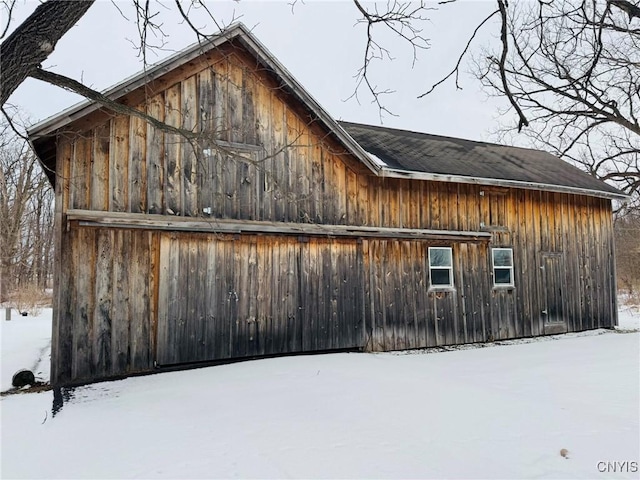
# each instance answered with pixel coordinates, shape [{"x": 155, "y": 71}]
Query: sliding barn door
[{"x": 223, "y": 297}]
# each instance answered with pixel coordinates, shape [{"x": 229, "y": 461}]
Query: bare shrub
[{"x": 29, "y": 299}]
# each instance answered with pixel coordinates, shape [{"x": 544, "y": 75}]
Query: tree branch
[
  {"x": 35, "y": 39},
  {"x": 77, "y": 87},
  {"x": 460, "y": 57},
  {"x": 522, "y": 119},
  {"x": 631, "y": 9}
]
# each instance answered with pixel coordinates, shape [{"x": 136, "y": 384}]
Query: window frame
[
  {"x": 495, "y": 267},
  {"x": 450, "y": 285}
]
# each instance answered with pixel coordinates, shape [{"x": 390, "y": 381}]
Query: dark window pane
[
  {"x": 502, "y": 276},
  {"x": 441, "y": 277},
  {"x": 440, "y": 257},
  {"x": 502, "y": 258}
]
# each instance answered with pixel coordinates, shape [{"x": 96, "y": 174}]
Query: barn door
[
  {"x": 222, "y": 297},
  {"x": 553, "y": 293}
]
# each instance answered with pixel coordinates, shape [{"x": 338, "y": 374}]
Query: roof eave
[{"x": 497, "y": 182}]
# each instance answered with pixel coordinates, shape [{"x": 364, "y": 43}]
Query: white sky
[{"x": 319, "y": 43}]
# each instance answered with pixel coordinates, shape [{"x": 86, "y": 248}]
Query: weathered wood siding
[
  {"x": 268, "y": 155},
  {"x": 104, "y": 318},
  {"x": 128, "y": 298},
  {"x": 224, "y": 297}
]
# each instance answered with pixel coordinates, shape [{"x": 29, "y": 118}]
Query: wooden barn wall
[
  {"x": 563, "y": 270},
  {"x": 135, "y": 297},
  {"x": 279, "y": 166},
  {"x": 104, "y": 318},
  {"x": 223, "y": 297}
]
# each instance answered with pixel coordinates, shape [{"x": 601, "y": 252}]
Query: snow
[
  {"x": 629, "y": 317},
  {"x": 376, "y": 159},
  {"x": 500, "y": 412},
  {"x": 25, "y": 343}
]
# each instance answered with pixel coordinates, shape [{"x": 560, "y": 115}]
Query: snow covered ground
[
  {"x": 25, "y": 343},
  {"x": 629, "y": 317},
  {"x": 500, "y": 412}
]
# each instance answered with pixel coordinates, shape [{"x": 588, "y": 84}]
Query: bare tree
[
  {"x": 627, "y": 232},
  {"x": 571, "y": 72},
  {"x": 31, "y": 42},
  {"x": 26, "y": 216},
  {"x": 569, "y": 68}
]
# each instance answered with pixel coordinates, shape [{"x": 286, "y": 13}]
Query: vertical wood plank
[
  {"x": 303, "y": 172},
  {"x": 206, "y": 100},
  {"x": 362, "y": 207},
  {"x": 251, "y": 285},
  {"x": 155, "y": 157},
  {"x": 278, "y": 185},
  {"x": 220, "y": 119},
  {"x": 241, "y": 280},
  {"x": 461, "y": 267},
  {"x": 173, "y": 152},
  {"x": 119, "y": 164},
  {"x": 262, "y": 295},
  {"x": 434, "y": 206},
  {"x": 535, "y": 259},
  {"x": 245, "y": 186},
  {"x": 82, "y": 366},
  {"x": 324, "y": 296},
  {"x": 231, "y": 290},
  {"x": 351, "y": 193},
  {"x": 235, "y": 101},
  {"x": 421, "y": 287},
  {"x": 198, "y": 305},
  {"x": 195, "y": 290},
  {"x": 99, "y": 191},
  {"x": 137, "y": 168},
  {"x": 317, "y": 205},
  {"x": 139, "y": 320},
  {"x": 229, "y": 182},
  {"x": 102, "y": 313},
  {"x": 164, "y": 290},
  {"x": 264, "y": 138},
  {"x": 120, "y": 341},
  {"x": 191, "y": 152},
  {"x": 249, "y": 130},
  {"x": 80, "y": 184}
]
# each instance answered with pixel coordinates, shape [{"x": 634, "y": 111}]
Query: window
[
  {"x": 502, "y": 259},
  {"x": 440, "y": 266}
]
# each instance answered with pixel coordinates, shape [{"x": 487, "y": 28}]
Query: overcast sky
[{"x": 318, "y": 42}]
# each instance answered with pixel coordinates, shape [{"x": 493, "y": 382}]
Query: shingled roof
[{"x": 421, "y": 155}]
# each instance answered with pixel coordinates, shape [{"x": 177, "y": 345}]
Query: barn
[{"x": 258, "y": 225}]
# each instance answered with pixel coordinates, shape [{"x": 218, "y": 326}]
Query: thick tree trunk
[{"x": 34, "y": 40}]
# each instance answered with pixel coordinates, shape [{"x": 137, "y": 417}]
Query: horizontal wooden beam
[{"x": 90, "y": 218}]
